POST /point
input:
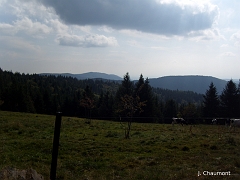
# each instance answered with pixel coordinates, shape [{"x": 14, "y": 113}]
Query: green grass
[{"x": 99, "y": 150}]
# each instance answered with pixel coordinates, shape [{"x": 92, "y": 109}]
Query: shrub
[{"x": 185, "y": 148}]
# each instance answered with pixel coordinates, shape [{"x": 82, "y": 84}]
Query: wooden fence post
[{"x": 55, "y": 145}]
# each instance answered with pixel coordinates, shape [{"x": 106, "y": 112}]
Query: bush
[
  {"x": 185, "y": 148},
  {"x": 213, "y": 147}
]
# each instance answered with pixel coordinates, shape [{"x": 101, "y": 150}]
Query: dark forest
[{"x": 104, "y": 99}]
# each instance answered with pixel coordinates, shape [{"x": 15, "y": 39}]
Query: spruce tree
[
  {"x": 229, "y": 100},
  {"x": 126, "y": 88},
  {"x": 170, "y": 109},
  {"x": 211, "y": 102},
  {"x": 238, "y": 99},
  {"x": 144, "y": 91}
]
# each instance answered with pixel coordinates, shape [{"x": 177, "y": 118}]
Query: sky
[{"x": 154, "y": 38}]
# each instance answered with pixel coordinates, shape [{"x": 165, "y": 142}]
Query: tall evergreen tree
[
  {"x": 140, "y": 92},
  {"x": 144, "y": 91},
  {"x": 170, "y": 109},
  {"x": 139, "y": 85},
  {"x": 105, "y": 105},
  {"x": 229, "y": 100},
  {"x": 238, "y": 98},
  {"x": 126, "y": 88},
  {"x": 211, "y": 102},
  {"x": 149, "y": 100}
]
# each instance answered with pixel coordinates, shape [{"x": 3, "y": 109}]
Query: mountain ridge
[
  {"x": 88, "y": 75},
  {"x": 195, "y": 83}
]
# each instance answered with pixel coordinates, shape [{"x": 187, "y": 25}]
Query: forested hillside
[
  {"x": 194, "y": 83},
  {"x": 198, "y": 84},
  {"x": 89, "y": 75},
  {"x": 96, "y": 98}
]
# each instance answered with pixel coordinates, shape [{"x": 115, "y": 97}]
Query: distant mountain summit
[
  {"x": 198, "y": 84},
  {"x": 98, "y": 75},
  {"x": 88, "y": 75}
]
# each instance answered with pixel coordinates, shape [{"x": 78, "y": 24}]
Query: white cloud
[
  {"x": 26, "y": 16},
  {"x": 228, "y": 54},
  {"x": 58, "y": 26},
  {"x": 203, "y": 35},
  {"x": 31, "y": 9},
  {"x": 7, "y": 29},
  {"x": 236, "y": 38},
  {"x": 36, "y": 29},
  {"x": 87, "y": 41},
  {"x": 224, "y": 46},
  {"x": 26, "y": 26},
  {"x": 86, "y": 29},
  {"x": 46, "y": 21},
  {"x": 139, "y": 34},
  {"x": 160, "y": 48},
  {"x": 106, "y": 29}
]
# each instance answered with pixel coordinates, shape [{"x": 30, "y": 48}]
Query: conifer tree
[
  {"x": 238, "y": 98},
  {"x": 211, "y": 102},
  {"x": 229, "y": 100},
  {"x": 170, "y": 109},
  {"x": 144, "y": 91},
  {"x": 126, "y": 88},
  {"x": 88, "y": 102}
]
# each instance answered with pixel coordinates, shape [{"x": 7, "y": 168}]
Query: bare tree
[{"x": 130, "y": 105}]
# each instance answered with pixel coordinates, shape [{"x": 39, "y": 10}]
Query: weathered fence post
[{"x": 55, "y": 145}]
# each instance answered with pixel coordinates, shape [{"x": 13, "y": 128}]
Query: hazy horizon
[{"x": 132, "y": 78}]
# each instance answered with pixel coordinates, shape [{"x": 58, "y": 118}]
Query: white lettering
[
  {"x": 204, "y": 173},
  {"x": 217, "y": 173}
]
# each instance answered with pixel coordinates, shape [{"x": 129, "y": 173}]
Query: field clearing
[{"x": 99, "y": 150}]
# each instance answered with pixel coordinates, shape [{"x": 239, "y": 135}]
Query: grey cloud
[
  {"x": 87, "y": 41},
  {"x": 144, "y": 15}
]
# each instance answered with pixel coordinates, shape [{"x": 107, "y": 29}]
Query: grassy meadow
[{"x": 99, "y": 150}]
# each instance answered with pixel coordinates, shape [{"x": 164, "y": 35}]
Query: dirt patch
[{"x": 16, "y": 174}]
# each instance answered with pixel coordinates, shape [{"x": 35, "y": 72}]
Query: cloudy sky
[{"x": 151, "y": 37}]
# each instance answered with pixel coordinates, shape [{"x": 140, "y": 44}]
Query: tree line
[
  {"x": 102, "y": 99},
  {"x": 226, "y": 105}
]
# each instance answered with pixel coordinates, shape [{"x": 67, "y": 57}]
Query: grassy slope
[{"x": 99, "y": 150}]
